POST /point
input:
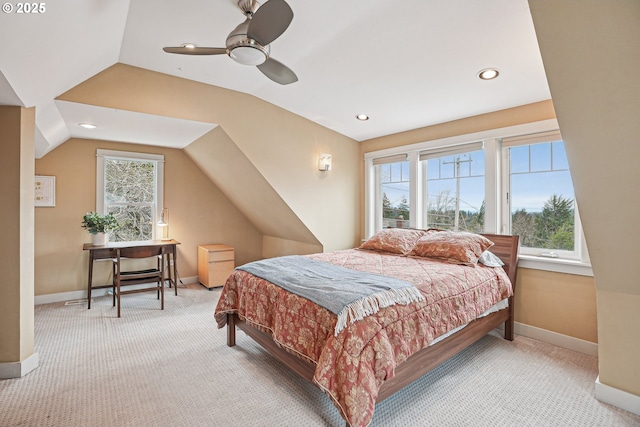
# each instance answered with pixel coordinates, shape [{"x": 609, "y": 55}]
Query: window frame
[
  {"x": 158, "y": 159},
  {"x": 494, "y": 189}
]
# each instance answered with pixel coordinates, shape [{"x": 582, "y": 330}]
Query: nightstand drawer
[{"x": 221, "y": 255}]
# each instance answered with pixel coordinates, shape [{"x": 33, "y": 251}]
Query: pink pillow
[
  {"x": 451, "y": 246},
  {"x": 394, "y": 240}
]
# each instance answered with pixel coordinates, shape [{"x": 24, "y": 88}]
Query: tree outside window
[{"x": 131, "y": 184}]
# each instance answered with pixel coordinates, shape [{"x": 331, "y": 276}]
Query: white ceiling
[
  {"x": 129, "y": 126},
  {"x": 406, "y": 64}
]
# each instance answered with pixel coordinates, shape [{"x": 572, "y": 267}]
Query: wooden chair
[{"x": 148, "y": 276}]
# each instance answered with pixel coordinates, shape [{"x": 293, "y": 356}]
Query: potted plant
[{"x": 99, "y": 225}]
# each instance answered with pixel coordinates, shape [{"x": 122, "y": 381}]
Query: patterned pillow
[
  {"x": 394, "y": 240},
  {"x": 454, "y": 247}
]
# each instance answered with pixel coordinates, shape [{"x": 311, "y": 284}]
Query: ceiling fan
[{"x": 248, "y": 43}]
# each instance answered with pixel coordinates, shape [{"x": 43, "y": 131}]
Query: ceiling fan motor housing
[{"x": 245, "y": 50}]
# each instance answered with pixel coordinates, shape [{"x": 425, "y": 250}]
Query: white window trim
[
  {"x": 556, "y": 265},
  {"x": 493, "y": 190},
  {"x": 101, "y": 154}
]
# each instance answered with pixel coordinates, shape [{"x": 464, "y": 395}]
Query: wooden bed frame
[{"x": 423, "y": 361}]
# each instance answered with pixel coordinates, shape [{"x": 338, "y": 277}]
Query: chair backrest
[{"x": 140, "y": 251}]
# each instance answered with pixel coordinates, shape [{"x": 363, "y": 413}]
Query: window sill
[{"x": 556, "y": 265}]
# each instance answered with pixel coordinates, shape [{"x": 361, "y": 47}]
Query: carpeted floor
[{"x": 173, "y": 368}]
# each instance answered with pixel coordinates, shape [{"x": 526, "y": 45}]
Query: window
[
  {"x": 453, "y": 188},
  {"x": 540, "y": 198},
  {"x": 392, "y": 195},
  {"x": 130, "y": 185},
  {"x": 516, "y": 184}
]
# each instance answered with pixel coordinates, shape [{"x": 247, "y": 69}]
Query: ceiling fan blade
[
  {"x": 183, "y": 50},
  {"x": 277, "y": 71},
  {"x": 270, "y": 21}
]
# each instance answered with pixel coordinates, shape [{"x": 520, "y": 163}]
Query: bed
[{"x": 371, "y": 358}]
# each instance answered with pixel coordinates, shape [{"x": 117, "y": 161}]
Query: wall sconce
[
  {"x": 324, "y": 162},
  {"x": 164, "y": 224}
]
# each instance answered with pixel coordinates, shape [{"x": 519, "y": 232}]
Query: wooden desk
[{"x": 108, "y": 251}]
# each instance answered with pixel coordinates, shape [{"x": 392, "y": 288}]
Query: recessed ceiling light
[
  {"x": 362, "y": 117},
  {"x": 88, "y": 125},
  {"x": 488, "y": 74}
]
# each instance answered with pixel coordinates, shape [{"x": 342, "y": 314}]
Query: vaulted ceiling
[{"x": 405, "y": 64}]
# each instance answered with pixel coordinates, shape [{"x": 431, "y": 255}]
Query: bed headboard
[{"x": 506, "y": 248}]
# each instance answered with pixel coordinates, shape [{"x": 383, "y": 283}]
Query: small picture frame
[{"x": 45, "y": 194}]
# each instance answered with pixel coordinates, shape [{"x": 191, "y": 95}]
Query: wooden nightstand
[{"x": 215, "y": 264}]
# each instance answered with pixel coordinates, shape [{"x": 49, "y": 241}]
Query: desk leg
[
  {"x": 166, "y": 262},
  {"x": 90, "y": 280},
  {"x": 175, "y": 268}
]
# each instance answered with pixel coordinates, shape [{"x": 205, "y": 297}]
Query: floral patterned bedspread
[{"x": 352, "y": 366}]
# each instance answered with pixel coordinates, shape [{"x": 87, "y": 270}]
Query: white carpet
[{"x": 173, "y": 368}]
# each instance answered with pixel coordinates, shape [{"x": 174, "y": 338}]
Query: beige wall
[
  {"x": 591, "y": 52},
  {"x": 619, "y": 346},
  {"x": 280, "y": 146},
  {"x": 227, "y": 166},
  {"x": 560, "y": 303},
  {"x": 274, "y": 246},
  {"x": 199, "y": 214},
  {"x": 16, "y": 217}
]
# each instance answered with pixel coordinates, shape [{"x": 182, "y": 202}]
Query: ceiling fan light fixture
[
  {"x": 488, "y": 74},
  {"x": 248, "y": 54},
  {"x": 188, "y": 45}
]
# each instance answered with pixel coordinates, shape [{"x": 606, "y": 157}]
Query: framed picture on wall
[{"x": 45, "y": 194}]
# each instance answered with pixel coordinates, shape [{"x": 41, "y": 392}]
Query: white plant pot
[{"x": 100, "y": 239}]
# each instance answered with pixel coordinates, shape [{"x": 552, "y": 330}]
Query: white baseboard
[
  {"x": 564, "y": 341},
  {"x": 616, "y": 397},
  {"x": 19, "y": 369},
  {"x": 82, "y": 295}
]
